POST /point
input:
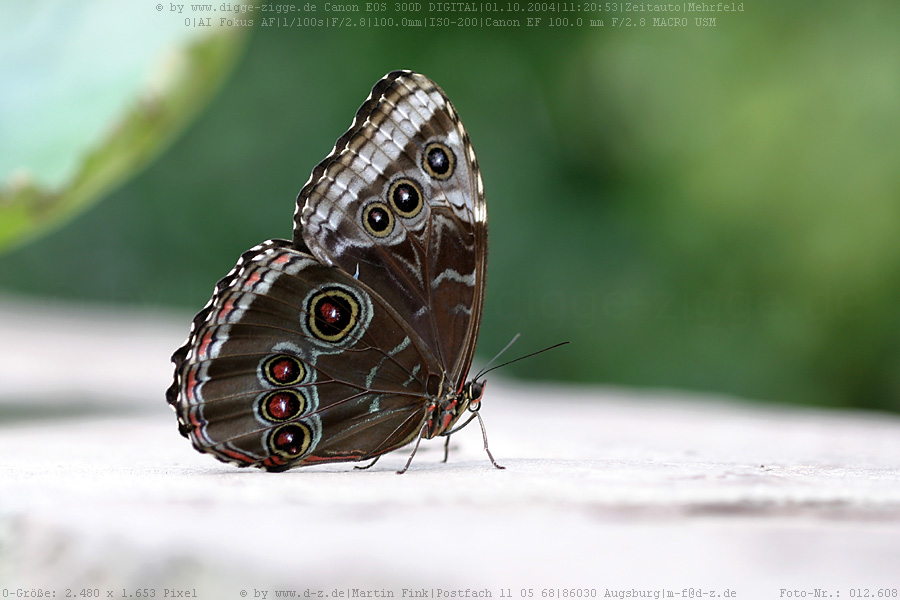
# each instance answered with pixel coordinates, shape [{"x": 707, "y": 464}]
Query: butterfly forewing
[{"x": 406, "y": 148}]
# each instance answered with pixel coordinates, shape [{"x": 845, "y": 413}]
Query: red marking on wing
[
  {"x": 284, "y": 370},
  {"x": 190, "y": 386},
  {"x": 274, "y": 461},
  {"x": 280, "y": 406},
  {"x": 237, "y": 455},
  {"x": 199, "y": 427},
  {"x": 205, "y": 341},
  {"x": 331, "y": 313},
  {"x": 280, "y": 260},
  {"x": 225, "y": 310}
]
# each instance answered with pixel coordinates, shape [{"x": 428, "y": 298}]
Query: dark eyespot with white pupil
[
  {"x": 439, "y": 161},
  {"x": 378, "y": 220},
  {"x": 405, "y": 196}
]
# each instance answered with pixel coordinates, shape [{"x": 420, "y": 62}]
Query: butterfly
[{"x": 355, "y": 337}]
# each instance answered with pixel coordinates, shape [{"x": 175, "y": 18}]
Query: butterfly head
[{"x": 472, "y": 392}]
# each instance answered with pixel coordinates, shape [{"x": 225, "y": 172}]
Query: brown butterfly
[{"x": 355, "y": 338}]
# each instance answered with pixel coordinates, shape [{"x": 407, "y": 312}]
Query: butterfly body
[{"x": 355, "y": 338}]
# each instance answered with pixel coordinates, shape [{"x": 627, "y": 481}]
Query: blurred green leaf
[{"x": 92, "y": 92}]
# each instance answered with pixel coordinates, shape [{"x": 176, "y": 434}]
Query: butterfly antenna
[
  {"x": 487, "y": 370},
  {"x": 496, "y": 356}
]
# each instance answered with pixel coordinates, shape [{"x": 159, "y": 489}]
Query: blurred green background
[{"x": 706, "y": 208}]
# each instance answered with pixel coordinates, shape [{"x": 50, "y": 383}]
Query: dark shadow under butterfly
[{"x": 356, "y": 337}]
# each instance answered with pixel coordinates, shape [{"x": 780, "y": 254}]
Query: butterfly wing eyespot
[
  {"x": 405, "y": 196},
  {"x": 439, "y": 161},
  {"x": 332, "y": 314},
  {"x": 282, "y": 369},
  {"x": 378, "y": 219},
  {"x": 281, "y": 405},
  {"x": 290, "y": 441}
]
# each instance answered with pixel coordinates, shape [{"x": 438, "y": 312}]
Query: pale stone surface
[{"x": 606, "y": 489}]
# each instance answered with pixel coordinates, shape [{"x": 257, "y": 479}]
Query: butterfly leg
[
  {"x": 415, "y": 448},
  {"x": 484, "y": 435},
  {"x": 446, "y": 448},
  {"x": 368, "y": 465}
]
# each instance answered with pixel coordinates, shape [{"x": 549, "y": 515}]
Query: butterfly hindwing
[{"x": 268, "y": 356}]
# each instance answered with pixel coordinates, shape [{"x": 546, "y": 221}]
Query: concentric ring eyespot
[
  {"x": 290, "y": 441},
  {"x": 439, "y": 161},
  {"x": 282, "y": 405},
  {"x": 283, "y": 369},
  {"x": 332, "y": 314},
  {"x": 378, "y": 219},
  {"x": 405, "y": 196}
]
